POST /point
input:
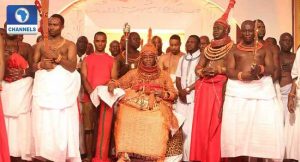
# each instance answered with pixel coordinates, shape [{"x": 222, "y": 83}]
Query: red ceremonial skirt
[{"x": 206, "y": 131}]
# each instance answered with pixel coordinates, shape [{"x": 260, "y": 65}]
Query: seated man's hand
[
  {"x": 159, "y": 93},
  {"x": 111, "y": 87}
]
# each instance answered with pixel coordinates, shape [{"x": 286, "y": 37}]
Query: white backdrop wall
[{"x": 165, "y": 16}]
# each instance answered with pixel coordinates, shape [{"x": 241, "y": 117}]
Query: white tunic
[{"x": 186, "y": 71}]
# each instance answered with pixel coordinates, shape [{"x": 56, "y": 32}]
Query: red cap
[
  {"x": 223, "y": 19},
  {"x": 149, "y": 48}
]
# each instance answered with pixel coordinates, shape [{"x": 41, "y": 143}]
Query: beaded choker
[
  {"x": 241, "y": 47},
  {"x": 148, "y": 73},
  {"x": 220, "y": 42}
]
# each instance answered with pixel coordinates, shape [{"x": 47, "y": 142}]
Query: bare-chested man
[
  {"x": 204, "y": 41},
  {"x": 16, "y": 96},
  {"x": 38, "y": 39},
  {"x": 271, "y": 41},
  {"x": 55, "y": 90},
  {"x": 134, "y": 40},
  {"x": 114, "y": 48},
  {"x": 252, "y": 119},
  {"x": 274, "y": 49},
  {"x": 156, "y": 40},
  {"x": 13, "y": 45},
  {"x": 169, "y": 61},
  {"x": 209, "y": 96},
  {"x": 286, "y": 63}
]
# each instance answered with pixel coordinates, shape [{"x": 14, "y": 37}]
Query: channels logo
[{"x": 21, "y": 19}]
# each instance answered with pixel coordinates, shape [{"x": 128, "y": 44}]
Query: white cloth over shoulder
[
  {"x": 16, "y": 97},
  {"x": 109, "y": 99},
  {"x": 252, "y": 123},
  {"x": 56, "y": 89}
]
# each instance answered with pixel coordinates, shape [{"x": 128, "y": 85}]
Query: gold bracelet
[
  {"x": 24, "y": 73},
  {"x": 240, "y": 76},
  {"x": 200, "y": 71},
  {"x": 58, "y": 59},
  {"x": 39, "y": 66},
  {"x": 262, "y": 69},
  {"x": 292, "y": 95}
]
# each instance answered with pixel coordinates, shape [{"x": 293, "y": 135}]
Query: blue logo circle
[{"x": 22, "y": 15}]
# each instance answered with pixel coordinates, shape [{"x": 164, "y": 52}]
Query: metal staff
[
  {"x": 126, "y": 31},
  {"x": 255, "y": 40},
  {"x": 255, "y": 45}
]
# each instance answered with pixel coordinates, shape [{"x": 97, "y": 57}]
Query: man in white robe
[
  {"x": 16, "y": 97},
  {"x": 252, "y": 123},
  {"x": 292, "y": 124},
  {"x": 55, "y": 115},
  {"x": 185, "y": 80}
]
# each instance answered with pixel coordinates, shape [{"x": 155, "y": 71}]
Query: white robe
[
  {"x": 16, "y": 102},
  {"x": 285, "y": 90},
  {"x": 186, "y": 71},
  {"x": 279, "y": 98},
  {"x": 292, "y": 122},
  {"x": 252, "y": 120},
  {"x": 55, "y": 116}
]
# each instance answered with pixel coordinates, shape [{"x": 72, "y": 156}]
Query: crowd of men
[{"x": 219, "y": 101}]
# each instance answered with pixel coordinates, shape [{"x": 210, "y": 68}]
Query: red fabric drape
[
  {"x": 206, "y": 131},
  {"x": 4, "y": 151},
  {"x": 104, "y": 134}
]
